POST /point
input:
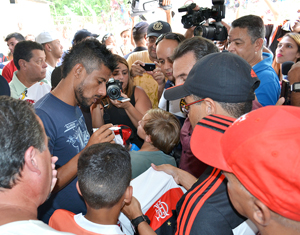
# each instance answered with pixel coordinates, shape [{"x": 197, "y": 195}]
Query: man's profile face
[
  {"x": 237, "y": 194},
  {"x": 91, "y": 87},
  {"x": 11, "y": 43},
  {"x": 196, "y": 111},
  {"x": 295, "y": 25},
  {"x": 151, "y": 46},
  {"x": 57, "y": 48},
  {"x": 36, "y": 67},
  {"x": 164, "y": 50},
  {"x": 182, "y": 67},
  {"x": 239, "y": 43}
]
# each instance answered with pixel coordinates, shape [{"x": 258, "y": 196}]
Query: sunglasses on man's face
[{"x": 184, "y": 107}]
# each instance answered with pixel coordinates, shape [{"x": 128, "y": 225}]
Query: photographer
[{"x": 129, "y": 112}]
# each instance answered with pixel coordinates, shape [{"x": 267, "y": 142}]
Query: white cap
[{"x": 46, "y": 36}]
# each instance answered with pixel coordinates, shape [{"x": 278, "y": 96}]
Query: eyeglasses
[
  {"x": 184, "y": 107},
  {"x": 178, "y": 37}
]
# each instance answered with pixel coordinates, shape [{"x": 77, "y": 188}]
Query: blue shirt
[
  {"x": 65, "y": 126},
  {"x": 269, "y": 89}
]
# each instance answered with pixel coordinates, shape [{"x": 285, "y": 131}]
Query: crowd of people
[{"x": 80, "y": 126}]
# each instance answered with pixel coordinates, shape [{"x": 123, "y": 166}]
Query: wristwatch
[
  {"x": 135, "y": 222},
  {"x": 295, "y": 87}
]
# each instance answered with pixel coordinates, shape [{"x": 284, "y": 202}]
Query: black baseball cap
[
  {"x": 140, "y": 28},
  {"x": 223, "y": 77},
  {"x": 82, "y": 34},
  {"x": 157, "y": 28}
]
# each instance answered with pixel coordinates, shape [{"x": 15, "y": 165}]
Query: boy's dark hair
[
  {"x": 23, "y": 50},
  {"x": 19, "y": 37},
  {"x": 104, "y": 173},
  {"x": 91, "y": 54},
  {"x": 254, "y": 25}
]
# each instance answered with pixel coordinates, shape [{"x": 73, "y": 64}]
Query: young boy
[
  {"x": 160, "y": 131},
  {"x": 104, "y": 174}
]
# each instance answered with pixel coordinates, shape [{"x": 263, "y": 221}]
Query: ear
[
  {"x": 78, "y": 189},
  {"x": 77, "y": 69},
  {"x": 259, "y": 44},
  {"x": 148, "y": 139},
  {"x": 261, "y": 213},
  {"x": 210, "y": 106},
  {"x": 128, "y": 195},
  {"x": 31, "y": 159},
  {"x": 22, "y": 63},
  {"x": 48, "y": 46}
]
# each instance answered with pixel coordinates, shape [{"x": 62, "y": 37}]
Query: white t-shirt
[
  {"x": 96, "y": 228},
  {"x": 49, "y": 71},
  {"x": 29, "y": 227}
]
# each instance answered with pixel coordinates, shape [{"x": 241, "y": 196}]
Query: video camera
[
  {"x": 215, "y": 30},
  {"x": 140, "y": 7}
]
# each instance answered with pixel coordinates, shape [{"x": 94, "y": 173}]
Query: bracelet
[{"x": 135, "y": 222}]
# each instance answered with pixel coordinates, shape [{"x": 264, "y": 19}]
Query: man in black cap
[
  {"x": 142, "y": 77},
  {"x": 139, "y": 33},
  {"x": 82, "y": 34},
  {"x": 219, "y": 83}
]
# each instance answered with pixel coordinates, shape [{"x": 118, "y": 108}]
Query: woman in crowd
[
  {"x": 160, "y": 131},
  {"x": 109, "y": 41},
  {"x": 288, "y": 49},
  {"x": 128, "y": 113},
  {"x": 126, "y": 46}
]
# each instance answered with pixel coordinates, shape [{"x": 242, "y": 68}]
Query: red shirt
[{"x": 8, "y": 71}]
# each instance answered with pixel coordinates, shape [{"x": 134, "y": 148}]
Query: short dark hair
[
  {"x": 19, "y": 37},
  {"x": 139, "y": 36},
  {"x": 233, "y": 109},
  {"x": 104, "y": 173},
  {"x": 20, "y": 129},
  {"x": 173, "y": 36},
  {"x": 23, "y": 50},
  {"x": 163, "y": 128},
  {"x": 198, "y": 45},
  {"x": 254, "y": 25},
  {"x": 91, "y": 54}
]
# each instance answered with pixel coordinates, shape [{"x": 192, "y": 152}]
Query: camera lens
[
  {"x": 113, "y": 92},
  {"x": 205, "y": 31}
]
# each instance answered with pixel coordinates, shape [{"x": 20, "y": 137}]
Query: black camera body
[
  {"x": 113, "y": 88},
  {"x": 215, "y": 30}
]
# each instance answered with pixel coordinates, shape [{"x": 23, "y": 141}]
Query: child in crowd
[
  {"x": 160, "y": 131},
  {"x": 104, "y": 174}
]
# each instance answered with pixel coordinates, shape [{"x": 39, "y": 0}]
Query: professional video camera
[
  {"x": 113, "y": 88},
  {"x": 215, "y": 30},
  {"x": 140, "y": 7}
]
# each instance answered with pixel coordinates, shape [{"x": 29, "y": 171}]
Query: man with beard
[{"x": 86, "y": 69}]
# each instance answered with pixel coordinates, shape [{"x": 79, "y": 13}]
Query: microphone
[{"x": 286, "y": 66}]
